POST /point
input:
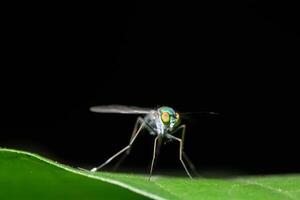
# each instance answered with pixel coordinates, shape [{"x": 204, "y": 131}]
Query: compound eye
[
  {"x": 177, "y": 116},
  {"x": 165, "y": 117}
]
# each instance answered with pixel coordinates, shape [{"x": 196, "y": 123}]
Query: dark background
[{"x": 237, "y": 59}]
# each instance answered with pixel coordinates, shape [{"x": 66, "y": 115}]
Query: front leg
[
  {"x": 180, "y": 153},
  {"x": 191, "y": 165},
  {"x": 157, "y": 141}
]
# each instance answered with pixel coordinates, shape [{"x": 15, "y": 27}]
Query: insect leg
[
  {"x": 180, "y": 153},
  {"x": 138, "y": 122},
  {"x": 121, "y": 151},
  {"x": 153, "y": 156},
  {"x": 190, "y": 163}
]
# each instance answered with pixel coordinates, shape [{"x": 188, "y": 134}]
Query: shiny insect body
[{"x": 162, "y": 123}]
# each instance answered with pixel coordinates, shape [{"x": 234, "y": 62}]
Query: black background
[{"x": 237, "y": 59}]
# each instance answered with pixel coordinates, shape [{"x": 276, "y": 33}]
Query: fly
[{"x": 162, "y": 123}]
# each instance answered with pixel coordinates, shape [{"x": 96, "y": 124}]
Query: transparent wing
[
  {"x": 191, "y": 116},
  {"x": 200, "y": 113},
  {"x": 120, "y": 109}
]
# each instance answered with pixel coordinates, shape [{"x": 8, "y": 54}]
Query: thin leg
[
  {"x": 139, "y": 121},
  {"x": 153, "y": 156},
  {"x": 121, "y": 151},
  {"x": 191, "y": 165},
  {"x": 121, "y": 160},
  {"x": 180, "y": 154}
]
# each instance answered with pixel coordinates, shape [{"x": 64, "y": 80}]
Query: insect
[{"x": 162, "y": 123}]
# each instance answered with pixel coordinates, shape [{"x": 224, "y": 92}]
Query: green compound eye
[
  {"x": 165, "y": 117},
  {"x": 177, "y": 117}
]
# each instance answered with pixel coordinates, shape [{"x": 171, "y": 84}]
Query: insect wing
[
  {"x": 120, "y": 109},
  {"x": 200, "y": 113}
]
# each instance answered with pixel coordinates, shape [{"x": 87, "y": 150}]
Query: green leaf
[{"x": 29, "y": 176}]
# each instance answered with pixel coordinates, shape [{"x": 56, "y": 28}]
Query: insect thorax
[{"x": 153, "y": 121}]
